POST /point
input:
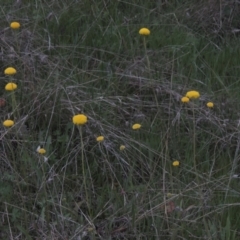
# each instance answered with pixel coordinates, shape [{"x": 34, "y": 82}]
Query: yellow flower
[
  {"x": 79, "y": 119},
  {"x": 170, "y": 195},
  {"x": 144, "y": 31},
  {"x": 10, "y": 71},
  {"x": 176, "y": 163},
  {"x": 15, "y": 25},
  {"x": 100, "y": 138},
  {"x": 41, "y": 151},
  {"x": 185, "y": 99},
  {"x": 192, "y": 94},
  {"x": 136, "y": 126},
  {"x": 8, "y": 123},
  {"x": 122, "y": 147},
  {"x": 10, "y": 86},
  {"x": 210, "y": 104}
]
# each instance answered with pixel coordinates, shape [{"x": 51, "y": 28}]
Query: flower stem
[
  {"x": 145, "y": 48},
  {"x": 44, "y": 183},
  {"x": 14, "y": 105},
  {"x": 83, "y": 168},
  {"x": 194, "y": 146}
]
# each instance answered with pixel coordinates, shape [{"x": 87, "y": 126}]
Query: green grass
[{"x": 87, "y": 57}]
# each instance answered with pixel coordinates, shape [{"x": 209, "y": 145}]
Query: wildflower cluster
[
  {"x": 11, "y": 85},
  {"x": 190, "y": 95},
  {"x": 194, "y": 95},
  {"x": 81, "y": 119}
]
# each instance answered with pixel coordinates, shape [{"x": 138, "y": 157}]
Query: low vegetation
[{"x": 109, "y": 132}]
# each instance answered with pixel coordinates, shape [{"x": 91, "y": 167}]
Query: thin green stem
[
  {"x": 16, "y": 40},
  {"x": 145, "y": 48},
  {"x": 83, "y": 167},
  {"x": 194, "y": 146},
  {"x": 14, "y": 105},
  {"x": 195, "y": 168},
  {"x": 44, "y": 188}
]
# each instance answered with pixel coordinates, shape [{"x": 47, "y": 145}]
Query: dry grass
[{"x": 86, "y": 57}]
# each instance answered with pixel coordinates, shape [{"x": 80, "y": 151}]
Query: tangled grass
[{"x": 145, "y": 164}]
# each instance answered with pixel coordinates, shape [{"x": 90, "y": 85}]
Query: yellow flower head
[
  {"x": 192, "y": 94},
  {"x": 10, "y": 86},
  {"x": 185, "y": 99},
  {"x": 175, "y": 163},
  {"x": 144, "y": 31},
  {"x": 10, "y": 71},
  {"x": 8, "y": 123},
  {"x": 122, "y": 147},
  {"x": 15, "y": 25},
  {"x": 41, "y": 150},
  {"x": 79, "y": 119},
  {"x": 100, "y": 138},
  {"x": 136, "y": 126},
  {"x": 210, "y": 104},
  {"x": 170, "y": 195}
]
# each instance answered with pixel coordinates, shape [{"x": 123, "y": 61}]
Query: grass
[{"x": 87, "y": 57}]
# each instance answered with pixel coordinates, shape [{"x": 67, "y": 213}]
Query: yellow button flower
[
  {"x": 185, "y": 99},
  {"x": 8, "y": 123},
  {"x": 41, "y": 151},
  {"x": 210, "y": 104},
  {"x": 176, "y": 163},
  {"x": 136, "y": 126},
  {"x": 100, "y": 138},
  {"x": 122, "y": 147},
  {"x": 10, "y": 71},
  {"x": 170, "y": 195},
  {"x": 15, "y": 25},
  {"x": 144, "y": 31},
  {"x": 10, "y": 86},
  {"x": 192, "y": 94},
  {"x": 79, "y": 119}
]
